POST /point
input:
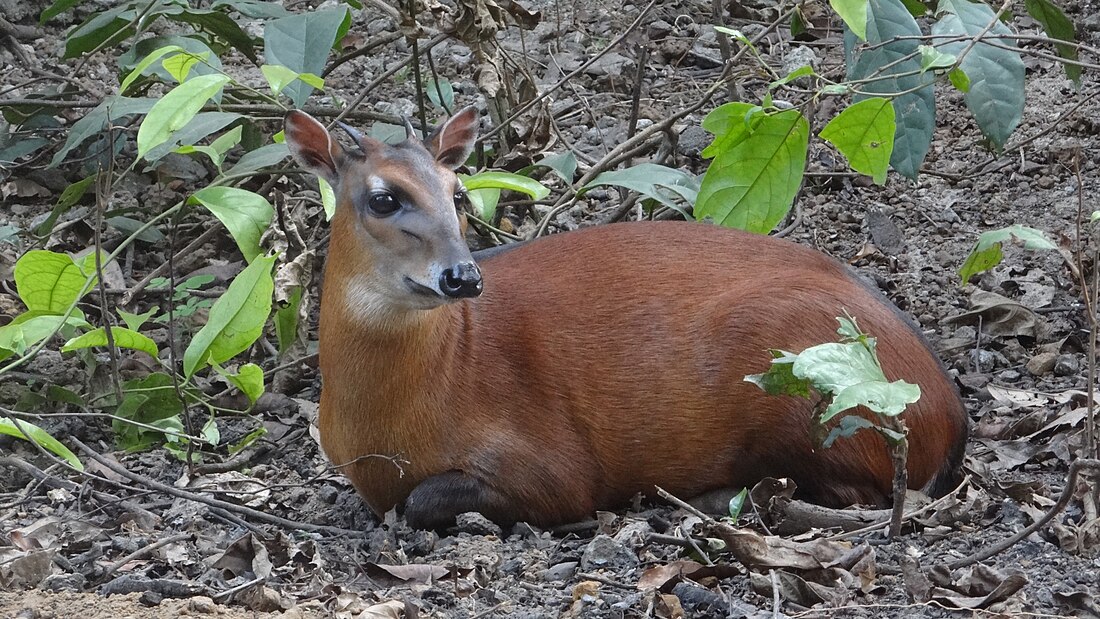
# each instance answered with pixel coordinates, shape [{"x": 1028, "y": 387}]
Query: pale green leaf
[
  {"x": 302, "y": 43},
  {"x": 864, "y": 133},
  {"x": 51, "y": 282},
  {"x": 28, "y": 431},
  {"x": 987, "y": 252},
  {"x": 959, "y": 80},
  {"x": 246, "y": 214},
  {"x": 854, "y": 14},
  {"x": 124, "y": 338},
  {"x": 249, "y": 379},
  {"x": 884, "y": 398},
  {"x": 657, "y": 182},
  {"x": 278, "y": 77},
  {"x": 180, "y": 65},
  {"x": 145, "y": 63},
  {"x": 506, "y": 180},
  {"x": 932, "y": 58},
  {"x": 176, "y": 109},
  {"x": 328, "y": 198}
]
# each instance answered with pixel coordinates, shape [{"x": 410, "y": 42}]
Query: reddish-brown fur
[{"x": 602, "y": 362}]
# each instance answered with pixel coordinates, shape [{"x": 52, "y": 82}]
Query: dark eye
[{"x": 383, "y": 204}]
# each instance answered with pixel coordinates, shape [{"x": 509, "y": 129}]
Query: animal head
[{"x": 400, "y": 212}]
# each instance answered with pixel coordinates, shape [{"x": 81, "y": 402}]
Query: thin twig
[{"x": 145, "y": 550}]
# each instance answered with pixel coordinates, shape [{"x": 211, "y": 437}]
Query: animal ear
[
  {"x": 313, "y": 146},
  {"x": 453, "y": 141}
]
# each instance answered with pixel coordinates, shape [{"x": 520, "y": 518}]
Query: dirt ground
[{"x": 1020, "y": 360}]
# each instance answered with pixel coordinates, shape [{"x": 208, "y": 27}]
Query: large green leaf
[
  {"x": 199, "y": 127},
  {"x": 730, "y": 123},
  {"x": 864, "y": 133},
  {"x": 27, "y": 430},
  {"x": 885, "y": 398},
  {"x": 124, "y": 338},
  {"x": 246, "y": 214},
  {"x": 195, "y": 48},
  {"x": 987, "y": 252},
  {"x": 51, "y": 282},
  {"x": 236, "y": 319},
  {"x": 302, "y": 43},
  {"x": 174, "y": 110},
  {"x": 883, "y": 57},
  {"x": 1057, "y": 26},
  {"x": 996, "y": 95},
  {"x": 249, "y": 379},
  {"x": 752, "y": 185},
  {"x": 506, "y": 180},
  {"x": 31, "y": 327},
  {"x": 111, "y": 109}
]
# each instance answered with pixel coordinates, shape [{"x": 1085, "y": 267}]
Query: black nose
[{"x": 461, "y": 281}]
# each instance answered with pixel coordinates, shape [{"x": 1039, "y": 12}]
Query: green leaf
[
  {"x": 26, "y": 430},
  {"x": 201, "y": 126},
  {"x": 216, "y": 23},
  {"x": 124, "y": 338},
  {"x": 302, "y": 43},
  {"x": 134, "y": 321},
  {"x": 996, "y": 95},
  {"x": 114, "y": 24},
  {"x": 752, "y": 185},
  {"x": 506, "y": 180},
  {"x": 176, "y": 109},
  {"x": 286, "y": 320},
  {"x": 210, "y": 431},
  {"x": 70, "y": 196},
  {"x": 657, "y": 182},
  {"x": 278, "y": 77},
  {"x": 50, "y": 281},
  {"x": 328, "y": 198},
  {"x": 833, "y": 367},
  {"x": 895, "y": 66},
  {"x": 249, "y": 379},
  {"x": 145, "y": 63},
  {"x": 959, "y": 80},
  {"x": 112, "y": 109},
  {"x": 441, "y": 93},
  {"x": 854, "y": 14},
  {"x": 563, "y": 164},
  {"x": 249, "y": 438},
  {"x": 31, "y": 327},
  {"x": 1057, "y": 26},
  {"x": 484, "y": 203},
  {"x": 864, "y": 133},
  {"x": 987, "y": 252},
  {"x": 58, "y": 7},
  {"x": 779, "y": 379},
  {"x": 246, "y": 214},
  {"x": 848, "y": 426},
  {"x": 730, "y": 123},
  {"x": 180, "y": 65},
  {"x": 932, "y": 58},
  {"x": 737, "y": 503},
  {"x": 199, "y": 58},
  {"x": 253, "y": 9},
  {"x": 880, "y": 397},
  {"x": 236, "y": 320},
  {"x": 802, "y": 71},
  {"x": 263, "y": 157},
  {"x": 218, "y": 148}
]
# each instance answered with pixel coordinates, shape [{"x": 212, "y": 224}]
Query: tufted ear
[
  {"x": 453, "y": 141},
  {"x": 313, "y": 146}
]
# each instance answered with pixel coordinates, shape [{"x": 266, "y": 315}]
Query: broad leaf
[
  {"x": 328, "y": 198},
  {"x": 780, "y": 379},
  {"x": 987, "y": 252},
  {"x": 194, "y": 47},
  {"x": 440, "y": 93},
  {"x": 1057, "y": 26},
  {"x": 864, "y": 133},
  {"x": 51, "y": 282},
  {"x": 302, "y": 43},
  {"x": 833, "y": 366},
  {"x": 246, "y": 214},
  {"x": 215, "y": 22},
  {"x": 286, "y": 320},
  {"x": 31, "y": 327},
  {"x": 145, "y": 63},
  {"x": 854, "y": 14},
  {"x": 563, "y": 164},
  {"x": 884, "y": 398},
  {"x": 124, "y": 338},
  {"x": 249, "y": 379},
  {"x": 932, "y": 58},
  {"x": 895, "y": 65},
  {"x": 114, "y": 24},
  {"x": 201, "y": 126},
  {"x": 236, "y": 320},
  {"x": 657, "y": 182},
  {"x": 278, "y": 77},
  {"x": 263, "y": 157},
  {"x": 174, "y": 110},
  {"x": 27, "y": 430},
  {"x": 996, "y": 95},
  {"x": 752, "y": 184},
  {"x": 730, "y": 123}
]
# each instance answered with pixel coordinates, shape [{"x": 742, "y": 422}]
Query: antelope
[{"x": 568, "y": 374}]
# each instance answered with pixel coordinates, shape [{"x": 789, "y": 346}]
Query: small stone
[
  {"x": 604, "y": 552},
  {"x": 798, "y": 57},
  {"x": 692, "y": 141},
  {"x": 885, "y": 233},
  {"x": 64, "y": 582},
  {"x": 150, "y": 598},
  {"x": 1066, "y": 365},
  {"x": 1042, "y": 363},
  {"x": 1045, "y": 182},
  {"x": 659, "y": 29},
  {"x": 475, "y": 524},
  {"x": 559, "y": 572},
  {"x": 700, "y": 601},
  {"x": 202, "y": 605}
]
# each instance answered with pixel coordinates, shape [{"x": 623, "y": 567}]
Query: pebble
[
  {"x": 1066, "y": 365},
  {"x": 1041, "y": 363},
  {"x": 476, "y": 524},
  {"x": 604, "y": 552},
  {"x": 559, "y": 572}
]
